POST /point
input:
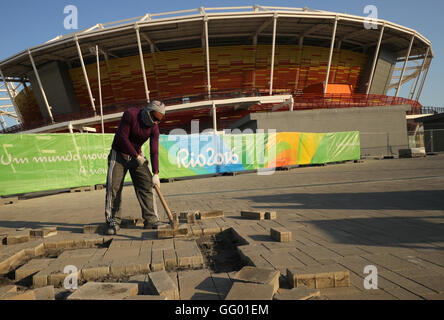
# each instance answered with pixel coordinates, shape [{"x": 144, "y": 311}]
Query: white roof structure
[{"x": 206, "y": 27}]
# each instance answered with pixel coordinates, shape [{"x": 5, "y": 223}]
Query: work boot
[
  {"x": 152, "y": 224},
  {"x": 112, "y": 229}
]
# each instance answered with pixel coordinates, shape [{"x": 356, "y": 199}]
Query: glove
[
  {"x": 156, "y": 180},
  {"x": 140, "y": 160}
]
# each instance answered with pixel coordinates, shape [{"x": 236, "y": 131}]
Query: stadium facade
[{"x": 216, "y": 65}]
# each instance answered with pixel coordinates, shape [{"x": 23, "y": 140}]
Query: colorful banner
[{"x": 39, "y": 162}]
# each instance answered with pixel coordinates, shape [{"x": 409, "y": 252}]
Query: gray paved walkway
[{"x": 387, "y": 213}]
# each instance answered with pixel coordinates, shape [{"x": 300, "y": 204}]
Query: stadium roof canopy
[{"x": 226, "y": 26}]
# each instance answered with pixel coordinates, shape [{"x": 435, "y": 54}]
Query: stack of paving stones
[
  {"x": 259, "y": 215},
  {"x": 196, "y": 224}
]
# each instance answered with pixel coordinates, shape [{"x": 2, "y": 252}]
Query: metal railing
[
  {"x": 300, "y": 102},
  {"x": 431, "y": 109}
]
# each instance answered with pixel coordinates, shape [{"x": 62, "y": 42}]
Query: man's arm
[
  {"x": 122, "y": 134},
  {"x": 154, "y": 149}
]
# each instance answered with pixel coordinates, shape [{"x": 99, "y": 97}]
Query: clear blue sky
[{"x": 29, "y": 23}]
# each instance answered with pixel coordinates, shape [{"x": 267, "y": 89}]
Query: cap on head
[{"x": 154, "y": 105}]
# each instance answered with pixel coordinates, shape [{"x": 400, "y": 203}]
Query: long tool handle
[{"x": 165, "y": 206}]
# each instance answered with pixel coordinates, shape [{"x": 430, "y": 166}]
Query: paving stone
[
  {"x": 280, "y": 234},
  {"x": 239, "y": 236},
  {"x": 104, "y": 291},
  {"x": 402, "y": 294},
  {"x": 170, "y": 259},
  {"x": 7, "y": 289},
  {"x": 281, "y": 261},
  {"x": 18, "y": 237},
  {"x": 142, "y": 283},
  {"x": 223, "y": 284},
  {"x": 389, "y": 261},
  {"x": 192, "y": 216},
  {"x": 222, "y": 224},
  {"x": 44, "y": 232},
  {"x": 117, "y": 253},
  {"x": 168, "y": 232},
  {"x": 163, "y": 244},
  {"x": 197, "y": 230},
  {"x": 250, "y": 291},
  {"x": 435, "y": 283},
  {"x": 56, "y": 276},
  {"x": 121, "y": 243},
  {"x": 318, "y": 277},
  {"x": 162, "y": 285},
  {"x": 404, "y": 282},
  {"x": 45, "y": 293},
  {"x": 95, "y": 228},
  {"x": 210, "y": 229},
  {"x": 434, "y": 296},
  {"x": 32, "y": 267},
  {"x": 211, "y": 214},
  {"x": 95, "y": 270},
  {"x": 11, "y": 261},
  {"x": 254, "y": 215},
  {"x": 189, "y": 258},
  {"x": 79, "y": 253},
  {"x": 259, "y": 275},
  {"x": 299, "y": 293},
  {"x": 36, "y": 249},
  {"x": 157, "y": 263},
  {"x": 196, "y": 285},
  {"x": 24, "y": 295},
  {"x": 270, "y": 215}
]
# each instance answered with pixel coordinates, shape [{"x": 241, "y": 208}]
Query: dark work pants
[{"x": 141, "y": 176}]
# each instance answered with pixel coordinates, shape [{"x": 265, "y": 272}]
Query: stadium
[{"x": 292, "y": 69}]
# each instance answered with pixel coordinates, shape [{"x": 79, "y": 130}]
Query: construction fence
[{"x": 40, "y": 162}]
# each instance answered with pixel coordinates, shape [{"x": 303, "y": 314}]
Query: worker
[{"x": 135, "y": 128}]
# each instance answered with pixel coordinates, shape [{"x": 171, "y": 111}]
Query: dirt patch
[{"x": 220, "y": 252}]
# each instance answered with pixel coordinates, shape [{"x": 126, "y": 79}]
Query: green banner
[{"x": 39, "y": 162}]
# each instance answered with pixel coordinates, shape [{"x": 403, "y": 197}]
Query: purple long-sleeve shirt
[{"x": 133, "y": 133}]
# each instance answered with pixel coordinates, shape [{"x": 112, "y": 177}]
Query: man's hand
[
  {"x": 140, "y": 159},
  {"x": 156, "y": 180}
]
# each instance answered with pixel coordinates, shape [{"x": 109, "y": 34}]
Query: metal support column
[
  {"x": 332, "y": 46},
  {"x": 273, "y": 48},
  {"x": 423, "y": 81},
  {"x": 298, "y": 72},
  {"x": 214, "y": 118},
  {"x": 405, "y": 66},
  {"x": 375, "y": 59},
  {"x": 100, "y": 87},
  {"x": 412, "y": 94},
  {"x": 11, "y": 97},
  {"x": 2, "y": 122},
  {"x": 48, "y": 108},
  {"x": 142, "y": 64},
  {"x": 85, "y": 74},
  {"x": 207, "y": 50}
]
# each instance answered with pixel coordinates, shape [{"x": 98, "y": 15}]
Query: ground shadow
[
  {"x": 398, "y": 231},
  {"x": 392, "y": 200}
]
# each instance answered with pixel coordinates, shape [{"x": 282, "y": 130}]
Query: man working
[{"x": 135, "y": 128}]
